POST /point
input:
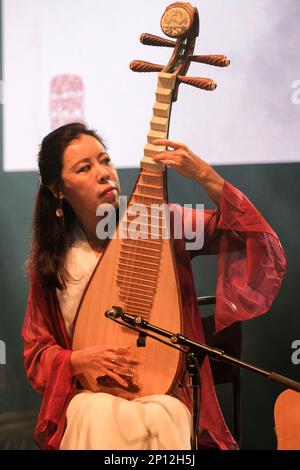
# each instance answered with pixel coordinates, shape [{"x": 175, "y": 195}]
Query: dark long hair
[{"x": 51, "y": 233}]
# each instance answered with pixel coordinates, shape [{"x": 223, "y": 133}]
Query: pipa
[{"x": 138, "y": 273}]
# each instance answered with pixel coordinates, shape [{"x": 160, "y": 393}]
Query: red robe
[{"x": 251, "y": 265}]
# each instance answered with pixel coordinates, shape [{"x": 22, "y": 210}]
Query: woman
[{"x": 76, "y": 176}]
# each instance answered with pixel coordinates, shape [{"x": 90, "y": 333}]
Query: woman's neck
[{"x": 89, "y": 229}]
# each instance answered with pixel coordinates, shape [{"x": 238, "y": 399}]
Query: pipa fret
[{"x": 140, "y": 254}]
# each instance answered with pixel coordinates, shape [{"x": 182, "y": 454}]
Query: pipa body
[{"x": 137, "y": 272}]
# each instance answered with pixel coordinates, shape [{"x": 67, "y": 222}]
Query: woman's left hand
[
  {"x": 181, "y": 158},
  {"x": 188, "y": 164}
]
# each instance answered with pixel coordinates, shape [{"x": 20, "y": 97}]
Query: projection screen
[{"x": 68, "y": 60}]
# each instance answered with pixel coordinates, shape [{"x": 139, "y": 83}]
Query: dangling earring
[{"x": 59, "y": 211}]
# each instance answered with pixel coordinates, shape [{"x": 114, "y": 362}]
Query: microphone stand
[{"x": 196, "y": 351}]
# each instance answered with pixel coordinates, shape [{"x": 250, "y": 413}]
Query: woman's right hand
[{"x": 111, "y": 361}]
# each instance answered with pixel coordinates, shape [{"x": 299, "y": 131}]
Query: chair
[{"x": 228, "y": 340}]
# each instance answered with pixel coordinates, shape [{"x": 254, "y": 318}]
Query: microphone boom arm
[{"x": 139, "y": 324}]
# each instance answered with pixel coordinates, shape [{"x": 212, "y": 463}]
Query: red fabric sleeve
[
  {"x": 251, "y": 261},
  {"x": 47, "y": 362}
]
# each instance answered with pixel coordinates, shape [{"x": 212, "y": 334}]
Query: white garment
[
  {"x": 104, "y": 422},
  {"x": 100, "y": 421},
  {"x": 80, "y": 262}
]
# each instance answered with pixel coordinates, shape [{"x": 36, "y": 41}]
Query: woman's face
[{"x": 87, "y": 175}]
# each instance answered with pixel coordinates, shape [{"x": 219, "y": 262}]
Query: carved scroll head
[{"x": 177, "y": 19}]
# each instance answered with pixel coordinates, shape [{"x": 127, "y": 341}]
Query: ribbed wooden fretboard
[
  {"x": 141, "y": 250},
  {"x": 139, "y": 258},
  {"x": 159, "y": 124}
]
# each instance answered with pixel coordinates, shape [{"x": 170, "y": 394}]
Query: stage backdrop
[
  {"x": 253, "y": 116},
  {"x": 67, "y": 60}
]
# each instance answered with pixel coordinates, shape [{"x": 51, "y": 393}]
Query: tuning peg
[
  {"x": 216, "y": 60},
  {"x": 141, "y": 66},
  {"x": 152, "y": 40},
  {"x": 203, "y": 83}
]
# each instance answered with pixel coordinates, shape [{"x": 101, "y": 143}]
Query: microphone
[
  {"x": 114, "y": 312},
  {"x": 117, "y": 312}
]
